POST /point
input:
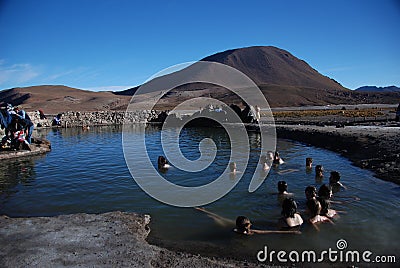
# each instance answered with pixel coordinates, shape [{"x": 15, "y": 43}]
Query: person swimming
[
  {"x": 265, "y": 163},
  {"x": 282, "y": 188},
  {"x": 334, "y": 182},
  {"x": 232, "y": 167},
  {"x": 324, "y": 196},
  {"x": 319, "y": 171},
  {"x": 315, "y": 207},
  {"x": 309, "y": 162},
  {"x": 162, "y": 163},
  {"x": 310, "y": 192},
  {"x": 290, "y": 218},
  {"x": 243, "y": 224},
  {"x": 277, "y": 159}
]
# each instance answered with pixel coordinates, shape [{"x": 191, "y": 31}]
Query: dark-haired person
[
  {"x": 309, "y": 162},
  {"x": 324, "y": 196},
  {"x": 290, "y": 218},
  {"x": 319, "y": 173},
  {"x": 162, "y": 163},
  {"x": 277, "y": 159},
  {"x": 315, "y": 207},
  {"x": 334, "y": 182},
  {"x": 282, "y": 189},
  {"x": 242, "y": 224}
]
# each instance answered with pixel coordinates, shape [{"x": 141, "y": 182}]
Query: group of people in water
[{"x": 317, "y": 206}]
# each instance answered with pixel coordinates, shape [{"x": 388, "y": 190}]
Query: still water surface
[{"x": 86, "y": 172}]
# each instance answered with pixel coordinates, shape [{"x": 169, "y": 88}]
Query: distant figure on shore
[
  {"x": 41, "y": 114},
  {"x": 334, "y": 182},
  {"x": 56, "y": 120},
  {"x": 162, "y": 163},
  {"x": 319, "y": 172},
  {"x": 26, "y": 123},
  {"x": 290, "y": 218},
  {"x": 314, "y": 207},
  {"x": 277, "y": 159},
  {"x": 309, "y": 162}
]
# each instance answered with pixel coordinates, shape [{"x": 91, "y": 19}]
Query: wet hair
[
  {"x": 325, "y": 205},
  {"x": 318, "y": 170},
  {"x": 309, "y": 161},
  {"x": 289, "y": 208},
  {"x": 314, "y": 206},
  {"x": 162, "y": 161},
  {"x": 335, "y": 177},
  {"x": 242, "y": 223},
  {"x": 310, "y": 192},
  {"x": 325, "y": 191},
  {"x": 232, "y": 166},
  {"x": 282, "y": 186}
]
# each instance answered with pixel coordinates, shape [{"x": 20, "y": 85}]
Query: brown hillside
[{"x": 54, "y": 99}]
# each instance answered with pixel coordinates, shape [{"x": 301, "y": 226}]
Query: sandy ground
[
  {"x": 374, "y": 147},
  {"x": 113, "y": 239}
]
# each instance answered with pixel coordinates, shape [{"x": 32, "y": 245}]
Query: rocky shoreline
[
  {"x": 113, "y": 239},
  {"x": 373, "y": 147}
]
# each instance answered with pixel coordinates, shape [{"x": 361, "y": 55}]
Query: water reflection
[{"x": 16, "y": 174}]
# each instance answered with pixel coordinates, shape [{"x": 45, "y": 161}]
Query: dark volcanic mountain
[
  {"x": 273, "y": 66},
  {"x": 284, "y": 80},
  {"x": 378, "y": 89}
]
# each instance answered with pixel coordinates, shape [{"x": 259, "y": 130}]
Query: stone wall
[{"x": 99, "y": 118}]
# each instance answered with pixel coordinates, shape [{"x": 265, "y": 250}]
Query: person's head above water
[
  {"x": 325, "y": 191},
  {"x": 289, "y": 208},
  {"x": 319, "y": 169},
  {"x": 282, "y": 187},
  {"x": 314, "y": 206},
  {"x": 232, "y": 166},
  {"x": 243, "y": 224},
  {"x": 310, "y": 192},
  {"x": 162, "y": 161},
  {"x": 309, "y": 162},
  {"x": 335, "y": 177}
]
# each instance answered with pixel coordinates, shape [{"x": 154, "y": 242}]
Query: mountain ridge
[{"x": 284, "y": 79}]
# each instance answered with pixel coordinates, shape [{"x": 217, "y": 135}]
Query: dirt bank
[
  {"x": 376, "y": 148},
  {"x": 113, "y": 239}
]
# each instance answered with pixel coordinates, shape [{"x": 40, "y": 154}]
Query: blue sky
[{"x": 113, "y": 45}]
